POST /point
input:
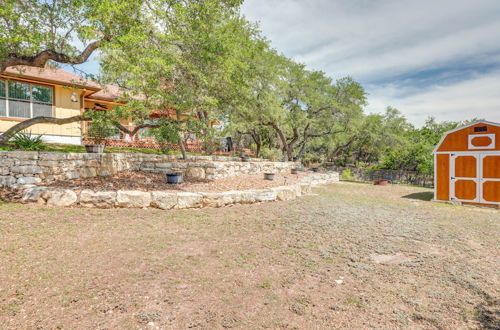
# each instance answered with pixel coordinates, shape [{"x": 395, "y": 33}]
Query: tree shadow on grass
[
  {"x": 422, "y": 196},
  {"x": 488, "y": 316}
]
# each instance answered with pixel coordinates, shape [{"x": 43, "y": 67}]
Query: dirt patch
[
  {"x": 389, "y": 259},
  {"x": 302, "y": 264},
  {"x": 143, "y": 181}
]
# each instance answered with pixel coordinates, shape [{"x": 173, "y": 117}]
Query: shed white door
[
  {"x": 475, "y": 177},
  {"x": 490, "y": 178},
  {"x": 465, "y": 178}
]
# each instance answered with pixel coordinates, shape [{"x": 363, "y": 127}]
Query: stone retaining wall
[
  {"x": 25, "y": 167},
  {"x": 171, "y": 200}
]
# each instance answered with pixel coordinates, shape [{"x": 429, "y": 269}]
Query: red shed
[{"x": 467, "y": 165}]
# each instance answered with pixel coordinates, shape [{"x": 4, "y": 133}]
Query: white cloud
[
  {"x": 391, "y": 40},
  {"x": 474, "y": 98}
]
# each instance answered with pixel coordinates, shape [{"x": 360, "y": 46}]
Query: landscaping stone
[
  {"x": 170, "y": 200},
  {"x": 264, "y": 195},
  {"x": 133, "y": 199},
  {"x": 215, "y": 199},
  {"x": 27, "y": 169},
  {"x": 74, "y": 165},
  {"x": 285, "y": 193},
  {"x": 187, "y": 200},
  {"x": 220, "y": 199},
  {"x": 25, "y": 154},
  {"x": 163, "y": 200},
  {"x": 7, "y": 181},
  {"x": 58, "y": 197},
  {"x": 33, "y": 194},
  {"x": 246, "y": 197},
  {"x": 196, "y": 172},
  {"x": 99, "y": 199},
  {"x": 28, "y": 180}
]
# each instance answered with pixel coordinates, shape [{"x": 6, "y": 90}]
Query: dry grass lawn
[{"x": 353, "y": 255}]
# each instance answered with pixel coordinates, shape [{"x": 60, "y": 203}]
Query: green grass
[
  {"x": 70, "y": 148},
  {"x": 80, "y": 149}
]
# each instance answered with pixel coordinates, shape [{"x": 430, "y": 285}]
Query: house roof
[
  {"x": 59, "y": 76},
  {"x": 109, "y": 92},
  {"x": 51, "y": 75}
]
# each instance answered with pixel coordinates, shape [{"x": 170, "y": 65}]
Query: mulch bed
[
  {"x": 143, "y": 181},
  {"x": 10, "y": 195}
]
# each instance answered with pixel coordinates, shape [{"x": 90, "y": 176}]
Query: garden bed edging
[
  {"x": 20, "y": 168},
  {"x": 171, "y": 200}
]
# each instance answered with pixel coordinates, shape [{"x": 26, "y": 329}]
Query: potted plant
[
  {"x": 269, "y": 176},
  {"x": 99, "y": 129},
  {"x": 244, "y": 157},
  {"x": 315, "y": 167},
  {"x": 174, "y": 178}
]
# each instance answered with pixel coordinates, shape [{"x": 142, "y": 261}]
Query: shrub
[
  {"x": 272, "y": 154},
  {"x": 346, "y": 175},
  {"x": 101, "y": 126},
  {"x": 28, "y": 142},
  {"x": 166, "y": 135}
]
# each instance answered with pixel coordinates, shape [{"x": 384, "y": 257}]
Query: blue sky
[{"x": 427, "y": 58}]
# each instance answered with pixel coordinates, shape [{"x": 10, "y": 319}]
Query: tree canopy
[
  {"x": 32, "y": 32},
  {"x": 192, "y": 63}
]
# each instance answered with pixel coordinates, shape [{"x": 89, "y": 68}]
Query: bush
[
  {"x": 166, "y": 135},
  {"x": 311, "y": 160},
  {"x": 272, "y": 154},
  {"x": 101, "y": 126},
  {"x": 28, "y": 142},
  {"x": 346, "y": 175}
]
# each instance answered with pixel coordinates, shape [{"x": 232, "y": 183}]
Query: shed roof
[{"x": 485, "y": 122}]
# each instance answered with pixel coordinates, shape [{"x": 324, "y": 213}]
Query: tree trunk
[
  {"x": 337, "y": 150},
  {"x": 302, "y": 149},
  {"x": 282, "y": 139},
  {"x": 37, "y": 120},
  {"x": 178, "y": 115},
  {"x": 258, "y": 142},
  {"x": 182, "y": 147}
]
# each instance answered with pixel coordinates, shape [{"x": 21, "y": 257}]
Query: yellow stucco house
[{"x": 27, "y": 92}]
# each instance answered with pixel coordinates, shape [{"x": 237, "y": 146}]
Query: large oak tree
[{"x": 35, "y": 32}]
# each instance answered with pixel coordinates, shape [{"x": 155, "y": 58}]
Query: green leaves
[
  {"x": 57, "y": 27},
  {"x": 101, "y": 126}
]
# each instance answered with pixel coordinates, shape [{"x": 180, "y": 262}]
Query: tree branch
[
  {"x": 38, "y": 120},
  {"x": 337, "y": 150},
  {"x": 136, "y": 128},
  {"x": 39, "y": 60}
]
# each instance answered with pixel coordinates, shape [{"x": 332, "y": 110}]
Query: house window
[
  {"x": 3, "y": 99},
  {"x": 23, "y": 100}
]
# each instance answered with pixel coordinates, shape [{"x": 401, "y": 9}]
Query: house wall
[{"x": 63, "y": 108}]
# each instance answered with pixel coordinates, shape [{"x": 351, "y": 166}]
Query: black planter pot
[
  {"x": 174, "y": 178},
  {"x": 269, "y": 176},
  {"x": 94, "y": 148},
  {"x": 315, "y": 169},
  {"x": 245, "y": 159},
  {"x": 295, "y": 171}
]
